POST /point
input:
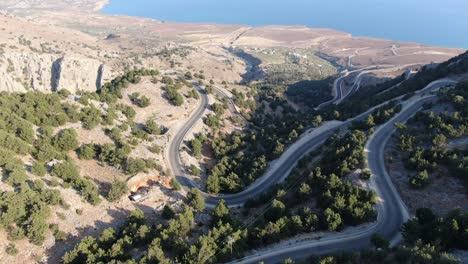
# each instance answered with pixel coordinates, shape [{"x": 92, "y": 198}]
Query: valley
[{"x": 133, "y": 140}]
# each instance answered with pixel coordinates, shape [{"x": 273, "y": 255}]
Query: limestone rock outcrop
[{"x": 20, "y": 72}]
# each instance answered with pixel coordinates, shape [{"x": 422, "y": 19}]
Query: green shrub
[
  {"x": 195, "y": 170},
  {"x": 420, "y": 180},
  {"x": 117, "y": 190},
  {"x": 175, "y": 185},
  {"x": 12, "y": 250},
  {"x": 156, "y": 149},
  {"x": 87, "y": 152},
  {"x": 60, "y": 235},
  {"x": 365, "y": 174},
  {"x": 126, "y": 110},
  {"x": 39, "y": 169},
  {"x": 152, "y": 128},
  {"x": 17, "y": 177},
  {"x": 66, "y": 140},
  {"x": 69, "y": 174},
  {"x": 91, "y": 117},
  {"x": 196, "y": 200}
]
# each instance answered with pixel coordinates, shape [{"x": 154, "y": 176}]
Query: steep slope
[
  {"x": 142, "y": 33},
  {"x": 41, "y": 58}
]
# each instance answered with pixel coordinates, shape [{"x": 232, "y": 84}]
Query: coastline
[
  {"x": 367, "y": 33},
  {"x": 100, "y": 5}
]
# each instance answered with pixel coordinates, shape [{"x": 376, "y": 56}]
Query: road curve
[
  {"x": 172, "y": 153},
  {"x": 392, "y": 212},
  {"x": 230, "y": 102},
  {"x": 237, "y": 199},
  {"x": 262, "y": 184},
  {"x": 337, "y": 89}
]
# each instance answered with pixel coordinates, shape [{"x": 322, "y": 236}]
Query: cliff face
[{"x": 21, "y": 72}]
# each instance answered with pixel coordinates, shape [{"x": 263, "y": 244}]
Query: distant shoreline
[{"x": 214, "y": 13}]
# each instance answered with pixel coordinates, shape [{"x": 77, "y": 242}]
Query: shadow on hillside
[{"x": 119, "y": 217}]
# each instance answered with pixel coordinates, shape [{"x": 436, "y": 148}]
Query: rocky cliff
[{"x": 21, "y": 72}]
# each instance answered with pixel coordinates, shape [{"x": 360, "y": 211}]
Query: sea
[{"x": 432, "y": 22}]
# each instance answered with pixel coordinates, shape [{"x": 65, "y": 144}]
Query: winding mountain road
[
  {"x": 391, "y": 210},
  {"x": 337, "y": 90},
  {"x": 339, "y": 95},
  {"x": 261, "y": 185}
]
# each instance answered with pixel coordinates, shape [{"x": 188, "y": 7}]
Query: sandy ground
[
  {"x": 443, "y": 194},
  {"x": 141, "y": 34},
  {"x": 94, "y": 219},
  {"x": 73, "y": 28}
]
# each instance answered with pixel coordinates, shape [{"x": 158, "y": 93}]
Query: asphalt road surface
[{"x": 391, "y": 210}]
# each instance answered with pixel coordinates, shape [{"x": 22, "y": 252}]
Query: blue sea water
[{"x": 432, "y": 22}]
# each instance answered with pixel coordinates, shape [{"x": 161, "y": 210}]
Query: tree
[
  {"x": 277, "y": 210},
  {"x": 60, "y": 235},
  {"x": 317, "y": 121},
  {"x": 279, "y": 149},
  {"x": 292, "y": 135},
  {"x": 332, "y": 220},
  {"x": 12, "y": 250},
  {"x": 196, "y": 200},
  {"x": 66, "y": 140},
  {"x": 370, "y": 122},
  {"x": 420, "y": 180},
  {"x": 39, "y": 169},
  {"x": 221, "y": 212},
  {"x": 175, "y": 184},
  {"x": 68, "y": 172},
  {"x": 135, "y": 166},
  {"x": 91, "y": 117},
  {"x": 87, "y": 151},
  {"x": 213, "y": 184},
  {"x": 17, "y": 177},
  {"x": 126, "y": 110},
  {"x": 173, "y": 95},
  {"x": 155, "y": 148},
  {"x": 195, "y": 170},
  {"x": 218, "y": 109},
  {"x": 144, "y": 102},
  {"x": 167, "y": 80},
  {"x": 155, "y": 253},
  {"x": 168, "y": 212},
  {"x": 141, "y": 101},
  {"x": 196, "y": 146},
  {"x": 304, "y": 191},
  {"x": 152, "y": 128},
  {"x": 439, "y": 141},
  {"x": 117, "y": 190},
  {"x": 365, "y": 174},
  {"x": 134, "y": 96},
  {"x": 212, "y": 121},
  {"x": 194, "y": 94}
]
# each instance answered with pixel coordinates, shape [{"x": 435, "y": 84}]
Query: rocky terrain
[
  {"x": 67, "y": 46},
  {"x": 40, "y": 31}
]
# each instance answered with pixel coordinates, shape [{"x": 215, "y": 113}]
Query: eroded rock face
[{"x": 20, "y": 72}]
